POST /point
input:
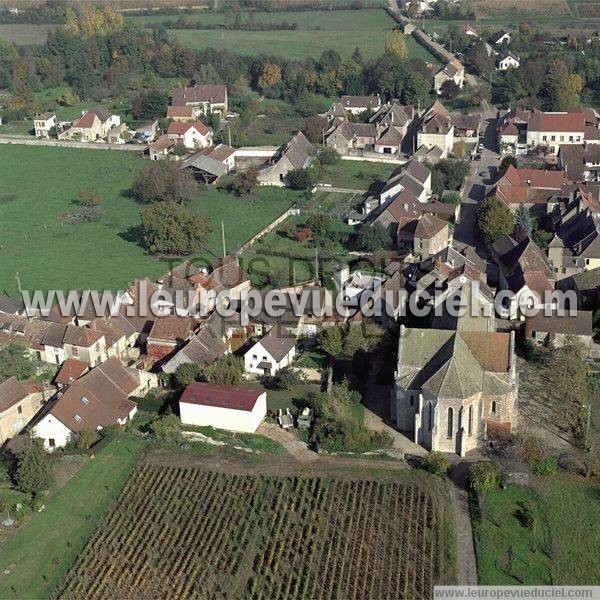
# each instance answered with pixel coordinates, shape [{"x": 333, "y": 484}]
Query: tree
[
  {"x": 245, "y": 182},
  {"x": 286, "y": 378},
  {"x": 15, "y": 361},
  {"x": 186, "y": 374},
  {"x": 86, "y": 438},
  {"x": 302, "y": 179},
  {"x": 270, "y": 76},
  {"x": 483, "y": 476},
  {"x": 373, "y": 237},
  {"x": 508, "y": 161},
  {"x": 449, "y": 89},
  {"x": 331, "y": 341},
  {"x": 523, "y": 221},
  {"x": 228, "y": 370},
  {"x": 149, "y": 104},
  {"x": 494, "y": 219},
  {"x": 319, "y": 223},
  {"x": 169, "y": 228},
  {"x": 563, "y": 87},
  {"x": 313, "y": 128},
  {"x": 436, "y": 463},
  {"x": 164, "y": 181},
  {"x": 362, "y": 337},
  {"x": 67, "y": 98},
  {"x": 395, "y": 44},
  {"x": 165, "y": 426},
  {"x": 480, "y": 59},
  {"x": 34, "y": 472},
  {"x": 329, "y": 156}
]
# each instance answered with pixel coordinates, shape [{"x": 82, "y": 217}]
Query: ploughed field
[{"x": 183, "y": 532}]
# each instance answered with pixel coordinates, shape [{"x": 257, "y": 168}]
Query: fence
[{"x": 288, "y": 213}]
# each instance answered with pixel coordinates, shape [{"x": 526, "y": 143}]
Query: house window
[
  {"x": 77, "y": 418},
  {"x": 19, "y": 410},
  {"x": 493, "y": 407},
  {"x": 254, "y": 356},
  {"x": 412, "y": 400},
  {"x": 430, "y": 416},
  {"x": 84, "y": 400},
  {"x": 562, "y": 138},
  {"x": 450, "y": 423},
  {"x": 553, "y": 138},
  {"x": 51, "y": 443},
  {"x": 544, "y": 138},
  {"x": 75, "y": 351},
  {"x": 470, "y": 420}
]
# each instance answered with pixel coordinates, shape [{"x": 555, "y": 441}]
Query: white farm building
[{"x": 223, "y": 407}]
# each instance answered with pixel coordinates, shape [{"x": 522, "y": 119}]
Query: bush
[
  {"x": 165, "y": 426},
  {"x": 436, "y": 463},
  {"x": 286, "y": 379},
  {"x": 525, "y": 514},
  {"x": 329, "y": 156},
  {"x": 484, "y": 476},
  {"x": 544, "y": 466}
]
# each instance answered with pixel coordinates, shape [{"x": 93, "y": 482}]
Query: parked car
[
  {"x": 478, "y": 157},
  {"x": 480, "y": 147}
]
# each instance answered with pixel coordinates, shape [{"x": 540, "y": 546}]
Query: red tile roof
[
  {"x": 220, "y": 396},
  {"x": 71, "y": 370},
  {"x": 182, "y": 128},
  {"x": 571, "y": 122}
]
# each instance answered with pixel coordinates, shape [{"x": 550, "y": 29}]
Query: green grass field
[
  {"x": 563, "y": 548},
  {"x": 44, "y": 550},
  {"x": 341, "y": 30},
  {"x": 38, "y": 187}
]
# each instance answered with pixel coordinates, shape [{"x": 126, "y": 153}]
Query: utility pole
[
  {"x": 223, "y": 237},
  {"x": 316, "y": 265},
  {"x": 229, "y": 132},
  {"x": 21, "y": 293},
  {"x": 323, "y": 136}
]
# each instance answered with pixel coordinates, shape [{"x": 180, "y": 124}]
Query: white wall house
[
  {"x": 191, "y": 135},
  {"x": 508, "y": 61},
  {"x": 54, "y": 433},
  {"x": 223, "y": 407},
  {"x": 43, "y": 123},
  {"x": 274, "y": 351}
]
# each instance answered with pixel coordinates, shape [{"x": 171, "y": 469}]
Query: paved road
[{"x": 465, "y": 233}]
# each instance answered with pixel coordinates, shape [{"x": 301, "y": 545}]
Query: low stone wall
[
  {"x": 32, "y": 141},
  {"x": 269, "y": 227},
  {"x": 436, "y": 49}
]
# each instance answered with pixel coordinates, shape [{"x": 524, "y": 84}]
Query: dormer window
[
  {"x": 77, "y": 418},
  {"x": 84, "y": 400}
]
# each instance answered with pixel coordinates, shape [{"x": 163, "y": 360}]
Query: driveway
[{"x": 465, "y": 233}]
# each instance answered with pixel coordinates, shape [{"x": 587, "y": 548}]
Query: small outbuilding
[{"x": 223, "y": 407}]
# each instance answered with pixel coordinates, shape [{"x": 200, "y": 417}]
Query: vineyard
[{"x": 182, "y": 532}]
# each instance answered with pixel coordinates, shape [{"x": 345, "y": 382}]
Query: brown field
[
  {"x": 488, "y": 9},
  {"x": 25, "y": 34},
  {"x": 185, "y": 532},
  {"x": 588, "y": 10}
]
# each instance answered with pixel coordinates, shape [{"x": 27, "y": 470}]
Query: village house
[
  {"x": 91, "y": 126},
  {"x": 453, "y": 71},
  {"x": 223, "y": 407},
  {"x": 557, "y": 329},
  {"x": 297, "y": 153},
  {"x": 159, "y": 150},
  {"x": 348, "y": 136},
  {"x": 392, "y": 121},
  {"x": 436, "y": 130},
  {"x": 71, "y": 370},
  {"x": 412, "y": 176},
  {"x": 85, "y": 344},
  {"x": 168, "y": 334},
  {"x": 43, "y": 123},
  {"x": 275, "y": 350},
  {"x": 467, "y": 127},
  {"x": 98, "y": 399},
  {"x": 575, "y": 246},
  {"x": 452, "y": 387},
  {"x": 507, "y": 60},
  {"x": 466, "y": 29},
  {"x": 20, "y": 401},
  {"x": 580, "y": 162},
  {"x": 205, "y": 99},
  {"x": 501, "y": 38},
  {"x": 190, "y": 135},
  {"x": 524, "y": 271},
  {"x": 181, "y": 114},
  {"x": 356, "y": 105},
  {"x": 10, "y": 306}
]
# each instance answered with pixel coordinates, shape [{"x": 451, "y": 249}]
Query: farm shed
[{"x": 223, "y": 407}]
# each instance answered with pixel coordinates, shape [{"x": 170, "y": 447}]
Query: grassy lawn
[
  {"x": 341, "y": 30},
  {"x": 293, "y": 399},
  {"x": 38, "y": 187},
  {"x": 25, "y": 34},
  {"x": 46, "y": 548},
  {"x": 563, "y": 548},
  {"x": 251, "y": 441},
  {"x": 356, "y": 174}
]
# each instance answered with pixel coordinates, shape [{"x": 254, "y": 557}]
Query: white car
[{"x": 480, "y": 147}]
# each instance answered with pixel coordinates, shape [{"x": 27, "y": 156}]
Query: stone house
[
  {"x": 168, "y": 334},
  {"x": 453, "y": 71},
  {"x": 20, "y": 401},
  {"x": 159, "y": 150},
  {"x": 297, "y": 153},
  {"x": 452, "y": 387},
  {"x": 205, "y": 99},
  {"x": 556, "y": 328},
  {"x": 356, "y": 105},
  {"x": 91, "y": 126},
  {"x": 436, "y": 130}
]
